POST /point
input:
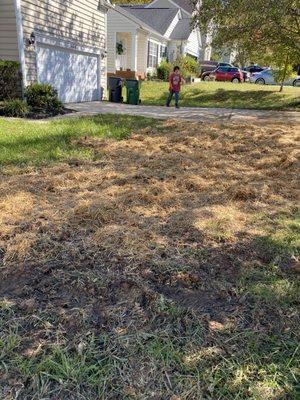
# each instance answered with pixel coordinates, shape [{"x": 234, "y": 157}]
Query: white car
[
  {"x": 266, "y": 77},
  {"x": 296, "y": 81}
]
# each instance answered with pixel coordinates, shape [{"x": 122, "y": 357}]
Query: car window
[
  {"x": 222, "y": 69},
  {"x": 227, "y": 69},
  {"x": 233, "y": 69},
  {"x": 253, "y": 68}
]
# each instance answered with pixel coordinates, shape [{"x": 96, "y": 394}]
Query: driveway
[{"x": 187, "y": 113}]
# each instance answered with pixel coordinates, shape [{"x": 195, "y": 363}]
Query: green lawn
[
  {"x": 148, "y": 260},
  {"x": 227, "y": 94},
  {"x": 36, "y": 142}
]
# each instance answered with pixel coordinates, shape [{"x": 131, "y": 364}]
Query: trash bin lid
[
  {"x": 132, "y": 83},
  {"x": 114, "y": 81}
]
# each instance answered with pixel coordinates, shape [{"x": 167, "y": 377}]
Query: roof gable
[
  {"x": 135, "y": 20},
  {"x": 158, "y": 19}
]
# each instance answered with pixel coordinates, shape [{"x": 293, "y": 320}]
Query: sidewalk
[{"x": 187, "y": 113}]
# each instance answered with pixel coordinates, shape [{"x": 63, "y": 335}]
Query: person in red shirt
[{"x": 175, "y": 81}]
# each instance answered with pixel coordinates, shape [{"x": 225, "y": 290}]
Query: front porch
[
  {"x": 128, "y": 74},
  {"x": 130, "y": 61}
]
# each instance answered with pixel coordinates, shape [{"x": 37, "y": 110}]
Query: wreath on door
[{"x": 120, "y": 48}]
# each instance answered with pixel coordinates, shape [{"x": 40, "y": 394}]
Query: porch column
[{"x": 134, "y": 49}]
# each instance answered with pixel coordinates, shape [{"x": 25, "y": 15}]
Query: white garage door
[{"x": 75, "y": 75}]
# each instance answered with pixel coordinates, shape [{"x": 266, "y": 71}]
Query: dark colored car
[
  {"x": 232, "y": 74},
  {"x": 209, "y": 66},
  {"x": 252, "y": 69}
]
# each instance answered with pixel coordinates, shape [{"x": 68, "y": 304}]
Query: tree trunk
[{"x": 284, "y": 72}]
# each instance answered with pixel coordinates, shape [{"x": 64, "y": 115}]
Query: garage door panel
[{"x": 75, "y": 75}]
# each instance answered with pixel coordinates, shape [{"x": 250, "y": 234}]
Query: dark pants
[{"x": 170, "y": 97}]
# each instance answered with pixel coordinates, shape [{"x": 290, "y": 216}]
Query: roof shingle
[
  {"x": 186, "y": 5},
  {"x": 182, "y": 30},
  {"x": 157, "y": 18}
]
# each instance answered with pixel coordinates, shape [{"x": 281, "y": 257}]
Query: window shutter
[{"x": 157, "y": 48}]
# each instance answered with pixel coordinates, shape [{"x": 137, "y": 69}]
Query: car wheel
[
  {"x": 206, "y": 78},
  {"x": 260, "y": 81},
  {"x": 296, "y": 82},
  {"x": 235, "y": 80}
]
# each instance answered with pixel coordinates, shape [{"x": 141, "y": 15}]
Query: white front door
[
  {"x": 121, "y": 59},
  {"x": 75, "y": 74}
]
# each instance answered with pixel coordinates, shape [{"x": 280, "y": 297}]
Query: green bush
[
  {"x": 42, "y": 98},
  {"x": 151, "y": 76},
  {"x": 190, "y": 65},
  {"x": 10, "y": 80},
  {"x": 14, "y": 108},
  {"x": 163, "y": 70}
]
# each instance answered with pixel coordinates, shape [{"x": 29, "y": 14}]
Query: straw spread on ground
[{"x": 158, "y": 270}]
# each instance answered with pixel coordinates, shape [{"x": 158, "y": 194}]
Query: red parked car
[{"x": 232, "y": 74}]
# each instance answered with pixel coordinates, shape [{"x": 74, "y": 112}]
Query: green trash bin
[{"x": 133, "y": 91}]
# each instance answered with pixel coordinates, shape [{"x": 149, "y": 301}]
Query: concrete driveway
[{"x": 187, "y": 113}]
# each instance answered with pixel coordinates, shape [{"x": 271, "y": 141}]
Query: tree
[{"x": 268, "y": 29}]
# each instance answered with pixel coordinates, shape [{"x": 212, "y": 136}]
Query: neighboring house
[
  {"x": 58, "y": 42},
  {"x": 140, "y": 36},
  {"x": 128, "y": 44},
  {"x": 184, "y": 40}
]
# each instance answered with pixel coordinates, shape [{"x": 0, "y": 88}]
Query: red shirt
[{"x": 175, "y": 80}]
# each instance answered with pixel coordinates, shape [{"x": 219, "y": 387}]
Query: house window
[
  {"x": 163, "y": 51},
  {"x": 152, "y": 54}
]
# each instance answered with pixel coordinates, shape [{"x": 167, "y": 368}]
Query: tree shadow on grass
[
  {"x": 242, "y": 99},
  {"x": 248, "y": 99}
]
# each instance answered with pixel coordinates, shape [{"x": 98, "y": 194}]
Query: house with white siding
[
  {"x": 129, "y": 40},
  {"x": 63, "y": 43},
  {"x": 185, "y": 40},
  {"x": 140, "y": 36}
]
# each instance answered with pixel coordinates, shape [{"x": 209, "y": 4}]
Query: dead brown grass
[
  {"x": 162, "y": 185},
  {"x": 102, "y": 239}
]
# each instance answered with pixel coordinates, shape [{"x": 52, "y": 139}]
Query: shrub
[
  {"x": 163, "y": 70},
  {"x": 14, "y": 108},
  {"x": 151, "y": 76},
  {"x": 190, "y": 65},
  {"x": 42, "y": 98},
  {"x": 10, "y": 80}
]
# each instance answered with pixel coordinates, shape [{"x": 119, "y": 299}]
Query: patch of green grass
[
  {"x": 176, "y": 355},
  {"x": 225, "y": 94},
  {"x": 218, "y": 228},
  {"x": 282, "y": 237},
  {"x": 279, "y": 246},
  {"x": 38, "y": 142},
  {"x": 268, "y": 285}
]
